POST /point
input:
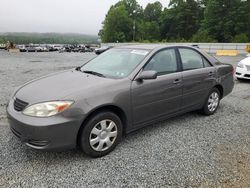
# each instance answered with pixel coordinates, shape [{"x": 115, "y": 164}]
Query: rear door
[
  {"x": 198, "y": 77},
  {"x": 152, "y": 99}
]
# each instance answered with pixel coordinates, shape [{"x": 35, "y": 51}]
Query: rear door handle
[{"x": 176, "y": 81}]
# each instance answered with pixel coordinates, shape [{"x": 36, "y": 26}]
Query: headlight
[
  {"x": 47, "y": 109},
  {"x": 241, "y": 65}
]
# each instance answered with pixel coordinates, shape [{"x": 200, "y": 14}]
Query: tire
[
  {"x": 212, "y": 102},
  {"x": 101, "y": 134}
]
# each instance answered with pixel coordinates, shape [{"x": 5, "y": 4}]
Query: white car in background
[{"x": 243, "y": 69}]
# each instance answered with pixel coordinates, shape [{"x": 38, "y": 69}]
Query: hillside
[{"x": 48, "y": 38}]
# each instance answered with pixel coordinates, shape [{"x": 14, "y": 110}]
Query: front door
[{"x": 162, "y": 96}]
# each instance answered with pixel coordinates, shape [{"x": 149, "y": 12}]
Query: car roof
[
  {"x": 152, "y": 47},
  {"x": 155, "y": 46},
  {"x": 145, "y": 46}
]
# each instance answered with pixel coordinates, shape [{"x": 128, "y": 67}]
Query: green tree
[
  {"x": 241, "y": 21},
  {"x": 117, "y": 25},
  {"x": 151, "y": 24},
  {"x": 119, "y": 21},
  {"x": 47, "y": 38},
  {"x": 223, "y": 19},
  {"x": 241, "y": 38},
  {"x": 202, "y": 36},
  {"x": 153, "y": 11},
  {"x": 2, "y": 40},
  {"x": 182, "y": 20},
  {"x": 151, "y": 31},
  {"x": 132, "y": 7}
]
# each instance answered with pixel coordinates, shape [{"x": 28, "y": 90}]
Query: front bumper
[
  {"x": 242, "y": 73},
  {"x": 56, "y": 132}
]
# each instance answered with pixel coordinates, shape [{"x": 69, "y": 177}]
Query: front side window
[
  {"x": 117, "y": 63},
  {"x": 164, "y": 62},
  {"x": 190, "y": 59},
  {"x": 206, "y": 63}
]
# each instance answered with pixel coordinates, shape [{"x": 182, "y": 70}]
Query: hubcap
[
  {"x": 103, "y": 135},
  {"x": 213, "y": 101}
]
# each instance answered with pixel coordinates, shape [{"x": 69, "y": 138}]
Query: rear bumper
[{"x": 56, "y": 132}]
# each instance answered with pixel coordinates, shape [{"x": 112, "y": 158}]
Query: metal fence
[{"x": 209, "y": 47}]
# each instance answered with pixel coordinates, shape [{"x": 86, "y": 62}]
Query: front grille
[
  {"x": 19, "y": 105},
  {"x": 247, "y": 75}
]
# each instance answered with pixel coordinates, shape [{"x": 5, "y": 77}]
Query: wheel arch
[
  {"x": 110, "y": 107},
  {"x": 221, "y": 90}
]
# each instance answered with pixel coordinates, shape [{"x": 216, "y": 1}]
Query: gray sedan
[{"x": 122, "y": 90}]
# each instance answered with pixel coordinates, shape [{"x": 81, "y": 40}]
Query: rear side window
[
  {"x": 164, "y": 62},
  {"x": 191, "y": 59}
]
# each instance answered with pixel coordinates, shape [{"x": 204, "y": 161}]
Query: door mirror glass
[{"x": 147, "y": 75}]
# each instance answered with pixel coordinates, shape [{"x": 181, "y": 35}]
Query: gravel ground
[{"x": 186, "y": 151}]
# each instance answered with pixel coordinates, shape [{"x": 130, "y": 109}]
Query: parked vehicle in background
[
  {"x": 45, "y": 49},
  {"x": 102, "y": 49},
  {"x": 243, "y": 69},
  {"x": 22, "y": 48},
  {"x": 39, "y": 49},
  {"x": 76, "y": 48},
  {"x": 2, "y": 46},
  {"x": 122, "y": 90},
  {"x": 31, "y": 49},
  {"x": 57, "y": 47},
  {"x": 88, "y": 49},
  {"x": 54, "y": 47}
]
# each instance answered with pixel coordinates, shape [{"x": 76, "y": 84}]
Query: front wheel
[
  {"x": 212, "y": 102},
  {"x": 101, "y": 134}
]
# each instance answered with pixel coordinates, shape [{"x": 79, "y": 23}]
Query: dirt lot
[{"x": 187, "y": 151}]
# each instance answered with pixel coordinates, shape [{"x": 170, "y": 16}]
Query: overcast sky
[{"x": 74, "y": 16}]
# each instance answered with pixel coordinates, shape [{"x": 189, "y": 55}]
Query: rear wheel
[
  {"x": 212, "y": 102},
  {"x": 101, "y": 134}
]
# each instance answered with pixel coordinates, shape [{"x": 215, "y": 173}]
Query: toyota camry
[{"x": 122, "y": 90}]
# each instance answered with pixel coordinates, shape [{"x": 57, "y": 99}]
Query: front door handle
[
  {"x": 211, "y": 74},
  {"x": 177, "y": 81}
]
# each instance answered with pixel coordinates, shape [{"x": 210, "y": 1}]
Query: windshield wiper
[{"x": 93, "y": 72}]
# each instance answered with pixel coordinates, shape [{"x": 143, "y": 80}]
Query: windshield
[{"x": 116, "y": 62}]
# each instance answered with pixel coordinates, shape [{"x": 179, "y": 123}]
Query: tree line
[
  {"x": 48, "y": 38},
  {"x": 181, "y": 21}
]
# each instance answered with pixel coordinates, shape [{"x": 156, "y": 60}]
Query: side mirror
[{"x": 147, "y": 75}]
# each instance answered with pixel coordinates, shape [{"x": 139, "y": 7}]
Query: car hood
[
  {"x": 246, "y": 61},
  {"x": 60, "y": 85}
]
